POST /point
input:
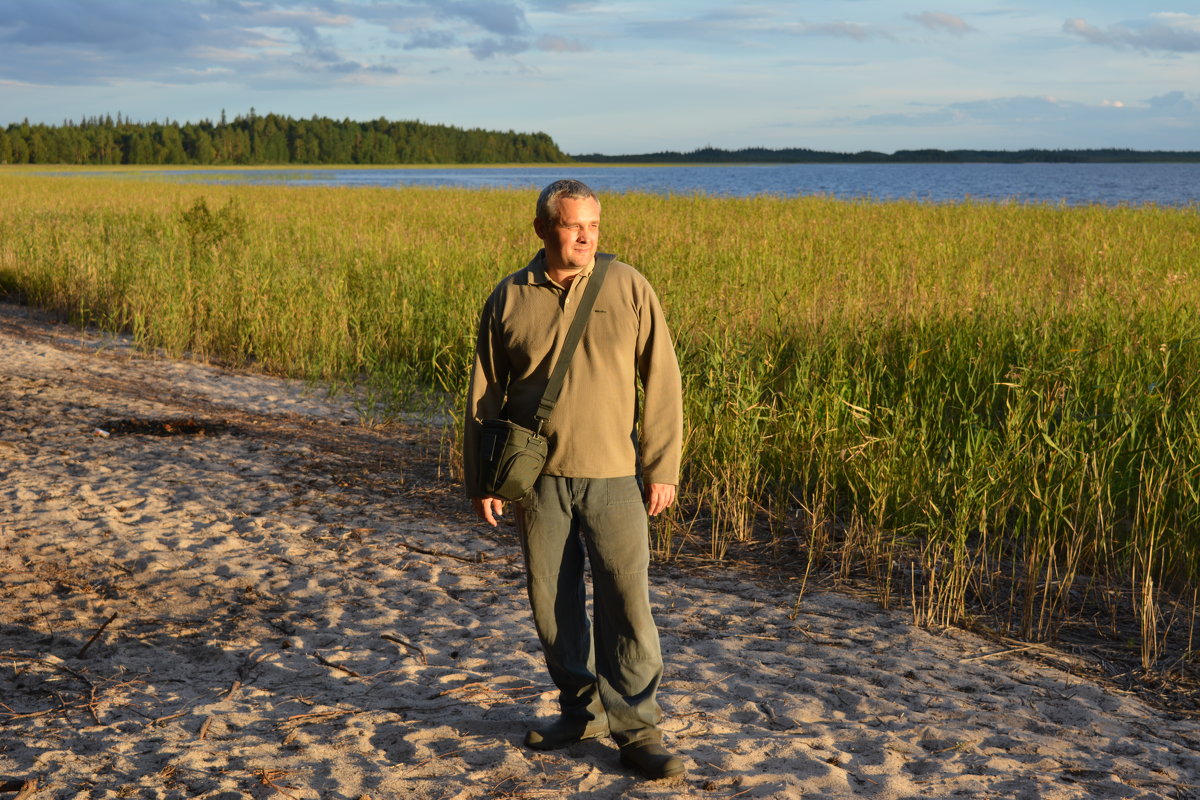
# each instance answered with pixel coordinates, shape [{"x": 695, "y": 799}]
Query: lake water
[{"x": 1072, "y": 184}]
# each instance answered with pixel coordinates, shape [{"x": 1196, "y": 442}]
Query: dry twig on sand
[
  {"x": 409, "y": 646},
  {"x": 95, "y": 635},
  {"x": 267, "y": 777}
]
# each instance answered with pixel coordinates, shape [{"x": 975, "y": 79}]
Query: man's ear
[{"x": 539, "y": 227}]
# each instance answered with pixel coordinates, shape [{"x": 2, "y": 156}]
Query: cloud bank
[
  {"x": 263, "y": 44},
  {"x": 1170, "y": 33},
  {"x": 612, "y": 76}
]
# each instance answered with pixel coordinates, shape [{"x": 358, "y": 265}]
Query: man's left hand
[{"x": 659, "y": 497}]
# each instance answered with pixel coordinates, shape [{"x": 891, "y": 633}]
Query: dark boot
[
  {"x": 652, "y": 760},
  {"x": 564, "y": 731}
]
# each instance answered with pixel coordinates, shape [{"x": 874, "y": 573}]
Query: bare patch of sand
[{"x": 217, "y": 584}]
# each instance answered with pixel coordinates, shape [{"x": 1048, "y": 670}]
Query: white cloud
[{"x": 940, "y": 21}]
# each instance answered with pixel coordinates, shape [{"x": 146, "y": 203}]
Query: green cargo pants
[{"x": 616, "y": 670}]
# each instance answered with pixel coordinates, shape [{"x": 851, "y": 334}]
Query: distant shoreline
[{"x": 758, "y": 155}]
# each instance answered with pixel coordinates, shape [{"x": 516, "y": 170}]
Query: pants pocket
[{"x": 624, "y": 491}]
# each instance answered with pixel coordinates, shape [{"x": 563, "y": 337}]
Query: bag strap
[{"x": 574, "y": 334}]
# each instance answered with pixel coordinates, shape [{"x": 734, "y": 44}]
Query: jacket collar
[{"x": 536, "y": 275}]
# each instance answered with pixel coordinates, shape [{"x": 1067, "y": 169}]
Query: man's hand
[
  {"x": 488, "y": 508},
  {"x": 659, "y": 497}
]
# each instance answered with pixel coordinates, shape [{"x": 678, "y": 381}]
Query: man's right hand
[{"x": 488, "y": 508}]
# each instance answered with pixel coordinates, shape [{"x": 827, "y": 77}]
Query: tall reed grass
[{"x": 984, "y": 407}]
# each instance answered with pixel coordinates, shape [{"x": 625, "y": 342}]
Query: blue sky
[{"x": 628, "y": 77}]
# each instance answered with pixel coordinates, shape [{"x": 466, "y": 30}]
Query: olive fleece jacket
[{"x": 593, "y": 431}]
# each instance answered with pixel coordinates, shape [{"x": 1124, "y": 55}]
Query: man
[{"x": 588, "y": 501}]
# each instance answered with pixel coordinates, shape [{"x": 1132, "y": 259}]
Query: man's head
[
  {"x": 568, "y": 223},
  {"x": 548, "y": 200}
]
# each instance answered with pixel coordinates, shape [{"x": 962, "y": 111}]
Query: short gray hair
[{"x": 547, "y": 204}]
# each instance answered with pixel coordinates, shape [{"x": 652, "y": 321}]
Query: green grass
[{"x": 985, "y": 407}]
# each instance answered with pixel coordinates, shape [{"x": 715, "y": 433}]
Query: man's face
[{"x": 571, "y": 240}]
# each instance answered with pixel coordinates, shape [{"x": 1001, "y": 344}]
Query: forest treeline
[
  {"x": 274, "y": 139},
  {"x": 761, "y": 155},
  {"x": 268, "y": 139}
]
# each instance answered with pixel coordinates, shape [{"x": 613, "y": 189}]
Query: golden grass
[{"x": 979, "y": 404}]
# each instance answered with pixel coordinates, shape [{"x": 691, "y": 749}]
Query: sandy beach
[{"x": 217, "y": 584}]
